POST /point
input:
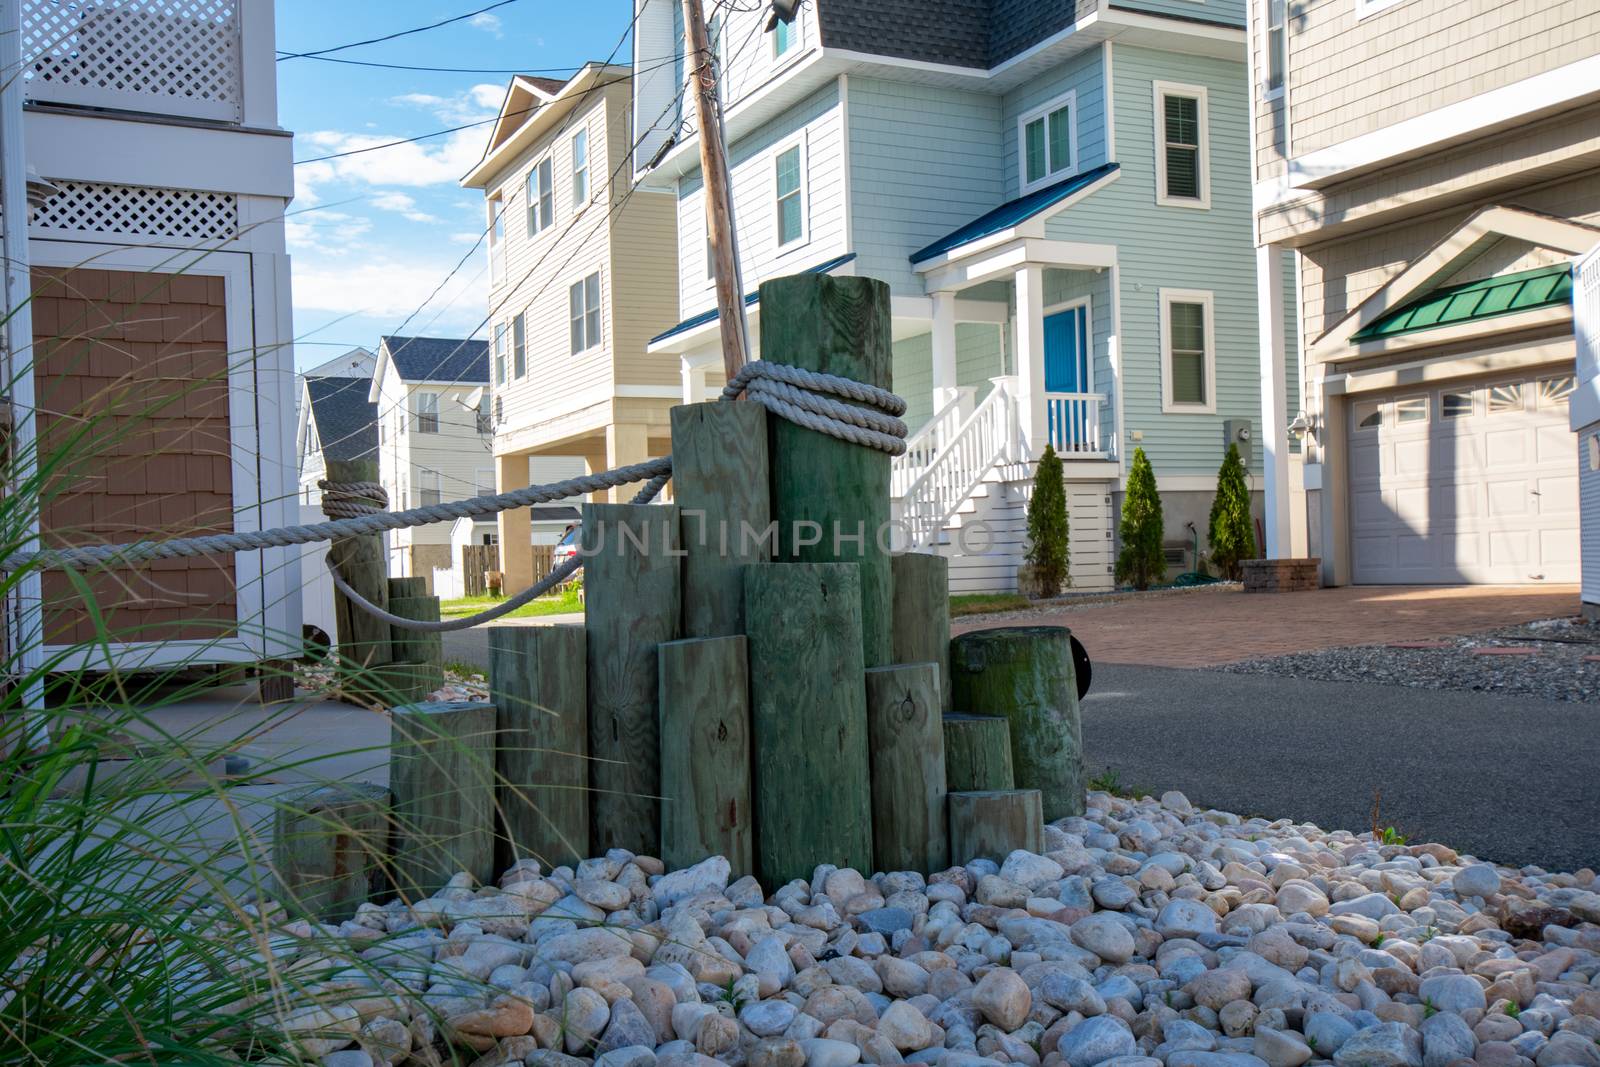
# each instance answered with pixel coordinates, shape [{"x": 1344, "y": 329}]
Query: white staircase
[{"x": 943, "y": 466}]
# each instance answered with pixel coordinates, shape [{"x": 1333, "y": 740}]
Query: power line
[{"x": 392, "y": 36}]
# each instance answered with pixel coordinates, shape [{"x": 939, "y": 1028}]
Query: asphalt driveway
[{"x": 1510, "y": 779}]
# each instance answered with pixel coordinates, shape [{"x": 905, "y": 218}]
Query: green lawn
[
  {"x": 984, "y": 603},
  {"x": 562, "y": 603}
]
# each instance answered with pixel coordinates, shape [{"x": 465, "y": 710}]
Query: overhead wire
[{"x": 394, "y": 36}]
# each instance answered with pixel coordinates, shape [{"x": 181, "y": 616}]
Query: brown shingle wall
[{"x": 132, "y": 377}]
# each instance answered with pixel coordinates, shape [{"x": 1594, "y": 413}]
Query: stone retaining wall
[{"x": 1282, "y": 575}]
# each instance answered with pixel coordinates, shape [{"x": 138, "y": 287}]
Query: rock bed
[
  {"x": 1147, "y": 934},
  {"x": 320, "y": 678},
  {"x": 1558, "y": 669}
]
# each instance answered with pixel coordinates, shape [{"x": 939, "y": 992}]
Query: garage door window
[
  {"x": 1504, "y": 398},
  {"x": 1456, "y": 405},
  {"x": 1554, "y": 391},
  {"x": 1411, "y": 409},
  {"x": 1369, "y": 415}
]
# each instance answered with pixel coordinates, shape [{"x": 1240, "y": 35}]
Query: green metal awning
[{"x": 1452, "y": 305}]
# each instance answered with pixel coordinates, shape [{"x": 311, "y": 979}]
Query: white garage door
[{"x": 1465, "y": 483}]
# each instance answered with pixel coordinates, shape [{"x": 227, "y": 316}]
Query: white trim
[
  {"x": 1068, "y": 100},
  {"x": 844, "y": 150},
  {"x": 1108, "y": 94},
  {"x": 781, "y": 247},
  {"x": 579, "y": 203},
  {"x": 1207, "y": 300},
  {"x": 1158, "y": 123},
  {"x": 1269, "y": 93},
  {"x": 1118, "y": 378},
  {"x": 995, "y": 261},
  {"x": 1507, "y": 106},
  {"x": 530, "y": 232}
]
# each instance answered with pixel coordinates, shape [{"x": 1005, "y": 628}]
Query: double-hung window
[
  {"x": 484, "y": 423},
  {"x": 541, "y": 197},
  {"x": 500, "y": 354},
  {"x": 1047, "y": 139},
  {"x": 1183, "y": 150},
  {"x": 1188, "y": 352},
  {"x": 428, "y": 489},
  {"x": 427, "y": 408},
  {"x": 583, "y": 300},
  {"x": 790, "y": 192},
  {"x": 1276, "y": 47},
  {"x": 497, "y": 241},
  {"x": 519, "y": 346},
  {"x": 580, "y": 168},
  {"x": 784, "y": 37}
]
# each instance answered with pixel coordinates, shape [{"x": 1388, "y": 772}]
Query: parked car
[{"x": 566, "y": 548}]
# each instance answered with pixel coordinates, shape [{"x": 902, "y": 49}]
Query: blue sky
[{"x": 372, "y": 235}]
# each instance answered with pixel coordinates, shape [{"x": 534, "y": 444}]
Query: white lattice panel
[
  {"x": 93, "y": 207},
  {"x": 177, "y": 57}
]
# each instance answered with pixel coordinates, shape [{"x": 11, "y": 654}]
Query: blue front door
[{"x": 1066, "y": 370}]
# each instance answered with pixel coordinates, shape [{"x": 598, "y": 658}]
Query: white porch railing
[
  {"x": 1073, "y": 421},
  {"x": 926, "y": 443},
  {"x": 985, "y": 438}
]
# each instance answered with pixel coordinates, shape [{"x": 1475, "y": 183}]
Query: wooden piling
[
  {"x": 538, "y": 680},
  {"x": 719, "y": 479},
  {"x": 415, "y": 646},
  {"x": 909, "y": 827},
  {"x": 922, "y": 613},
  {"x": 830, "y": 497},
  {"x": 994, "y": 823},
  {"x": 977, "y": 752},
  {"x": 808, "y": 718},
  {"x": 360, "y": 561},
  {"x": 329, "y": 849},
  {"x": 406, "y": 587},
  {"x": 632, "y": 602},
  {"x": 1024, "y": 674},
  {"x": 441, "y": 773},
  {"x": 705, "y": 752}
]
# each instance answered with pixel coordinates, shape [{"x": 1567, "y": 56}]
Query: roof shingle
[
  {"x": 439, "y": 359},
  {"x": 347, "y": 425}
]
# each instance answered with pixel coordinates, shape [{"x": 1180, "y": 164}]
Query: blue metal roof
[
  {"x": 750, "y": 300},
  {"x": 1013, "y": 212},
  {"x": 439, "y": 359}
]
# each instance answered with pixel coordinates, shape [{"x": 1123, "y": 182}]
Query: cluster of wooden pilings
[{"x": 758, "y": 676}]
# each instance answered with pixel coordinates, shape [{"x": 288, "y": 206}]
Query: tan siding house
[
  {"x": 1432, "y": 169},
  {"x": 583, "y": 272}
]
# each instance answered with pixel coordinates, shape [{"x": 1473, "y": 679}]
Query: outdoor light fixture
[
  {"x": 1300, "y": 427},
  {"x": 782, "y": 11}
]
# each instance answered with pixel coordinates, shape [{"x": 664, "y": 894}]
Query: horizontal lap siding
[
  {"x": 132, "y": 379},
  {"x": 1082, "y": 75},
  {"x": 979, "y": 356},
  {"x": 1173, "y": 247},
  {"x": 1269, "y": 116},
  {"x": 1222, "y": 12},
  {"x": 923, "y": 161},
  {"x": 913, "y": 378}
]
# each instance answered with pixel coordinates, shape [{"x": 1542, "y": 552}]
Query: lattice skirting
[{"x": 97, "y": 207}]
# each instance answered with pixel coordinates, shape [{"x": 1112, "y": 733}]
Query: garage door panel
[
  {"x": 1373, "y": 509},
  {"x": 1412, "y": 459},
  {"x": 1510, "y": 497},
  {"x": 1508, "y": 549},
  {"x": 1559, "y": 548},
  {"x": 1457, "y": 452},
  {"x": 1558, "y": 496},
  {"x": 1553, "y": 444},
  {"x": 1505, "y": 448}
]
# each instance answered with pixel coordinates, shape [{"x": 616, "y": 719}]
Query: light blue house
[{"x": 1059, "y": 200}]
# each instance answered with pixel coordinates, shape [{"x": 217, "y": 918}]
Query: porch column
[
  {"x": 945, "y": 388},
  {"x": 1030, "y": 357},
  {"x": 626, "y": 443},
  {"x": 693, "y": 368},
  {"x": 1274, "y": 402},
  {"x": 516, "y": 527}
]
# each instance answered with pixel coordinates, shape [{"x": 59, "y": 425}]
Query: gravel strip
[{"x": 1561, "y": 667}]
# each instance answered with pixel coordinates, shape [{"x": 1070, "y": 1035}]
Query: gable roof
[
  {"x": 462, "y": 361},
  {"x": 346, "y": 422},
  {"x": 1014, "y": 212},
  {"x": 1450, "y": 305}
]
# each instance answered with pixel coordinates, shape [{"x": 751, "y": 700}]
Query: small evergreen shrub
[
  {"x": 1231, "y": 533},
  {"x": 1141, "y": 561},
  {"x": 1048, "y": 533}
]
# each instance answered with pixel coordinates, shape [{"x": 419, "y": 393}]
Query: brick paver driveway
[{"x": 1205, "y": 627}]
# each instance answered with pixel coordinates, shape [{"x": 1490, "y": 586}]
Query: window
[
  {"x": 405, "y": 501},
  {"x": 428, "y": 489},
  {"x": 784, "y": 36},
  {"x": 1503, "y": 398},
  {"x": 1048, "y": 142},
  {"x": 1182, "y": 147},
  {"x": 580, "y": 168},
  {"x": 383, "y": 432},
  {"x": 484, "y": 423},
  {"x": 1457, "y": 405},
  {"x": 583, "y": 301},
  {"x": 500, "y": 354},
  {"x": 400, "y": 421},
  {"x": 1411, "y": 409},
  {"x": 485, "y": 481},
  {"x": 519, "y": 346},
  {"x": 1556, "y": 390},
  {"x": 1190, "y": 370},
  {"x": 427, "y": 410},
  {"x": 1369, "y": 415},
  {"x": 789, "y": 168},
  {"x": 497, "y": 242},
  {"x": 1277, "y": 48},
  {"x": 541, "y": 198}
]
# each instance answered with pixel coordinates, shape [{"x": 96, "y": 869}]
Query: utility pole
[{"x": 719, "y": 208}]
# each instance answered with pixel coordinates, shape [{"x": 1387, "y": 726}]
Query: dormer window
[{"x": 1048, "y": 142}]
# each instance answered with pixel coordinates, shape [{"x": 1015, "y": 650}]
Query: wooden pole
[
  {"x": 632, "y": 604},
  {"x": 977, "y": 752},
  {"x": 360, "y": 561},
  {"x": 830, "y": 498},
  {"x": 994, "y": 824},
  {"x": 705, "y": 751},
  {"x": 719, "y": 207},
  {"x": 330, "y": 847},
  {"x": 922, "y": 613},
  {"x": 404, "y": 587},
  {"x": 1024, "y": 674},
  {"x": 441, "y": 772},
  {"x": 909, "y": 827},
  {"x": 719, "y": 479},
  {"x": 538, "y": 680},
  {"x": 415, "y": 646},
  {"x": 808, "y": 719}
]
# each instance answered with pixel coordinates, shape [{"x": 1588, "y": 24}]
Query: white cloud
[
  {"x": 390, "y": 288},
  {"x": 487, "y": 22},
  {"x": 413, "y": 165},
  {"x": 324, "y": 230},
  {"x": 402, "y": 205},
  {"x": 466, "y": 238}
]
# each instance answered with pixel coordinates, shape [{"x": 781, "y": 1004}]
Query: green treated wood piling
[
  {"x": 441, "y": 772},
  {"x": 994, "y": 823},
  {"x": 909, "y": 828},
  {"x": 1024, "y": 674},
  {"x": 977, "y": 752},
  {"x": 719, "y": 479},
  {"x": 632, "y": 604},
  {"x": 539, "y": 681},
  {"x": 364, "y": 641},
  {"x": 705, "y": 753},
  {"x": 830, "y": 497},
  {"x": 808, "y": 719},
  {"x": 330, "y": 848},
  {"x": 415, "y": 646},
  {"x": 922, "y": 613}
]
